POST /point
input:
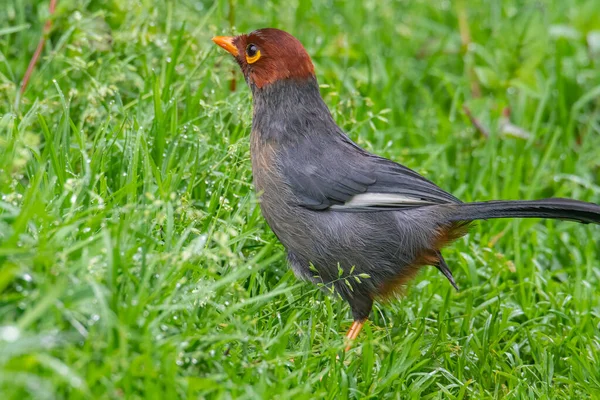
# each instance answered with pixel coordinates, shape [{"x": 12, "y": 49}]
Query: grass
[{"x": 136, "y": 264}]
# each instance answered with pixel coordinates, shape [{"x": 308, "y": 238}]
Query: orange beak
[{"x": 226, "y": 42}]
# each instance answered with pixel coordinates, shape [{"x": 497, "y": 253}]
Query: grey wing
[{"x": 343, "y": 177}]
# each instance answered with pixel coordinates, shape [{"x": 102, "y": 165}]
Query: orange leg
[{"x": 354, "y": 331}]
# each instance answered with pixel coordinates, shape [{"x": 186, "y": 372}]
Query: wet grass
[{"x": 136, "y": 264}]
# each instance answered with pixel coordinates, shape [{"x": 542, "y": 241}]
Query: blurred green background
[{"x": 134, "y": 262}]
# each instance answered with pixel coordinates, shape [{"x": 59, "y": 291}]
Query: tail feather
[
  {"x": 567, "y": 209},
  {"x": 444, "y": 269},
  {"x": 462, "y": 214}
]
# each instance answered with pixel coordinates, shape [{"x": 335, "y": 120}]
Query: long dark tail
[{"x": 567, "y": 209}]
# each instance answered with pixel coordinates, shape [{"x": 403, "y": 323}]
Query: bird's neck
[{"x": 290, "y": 109}]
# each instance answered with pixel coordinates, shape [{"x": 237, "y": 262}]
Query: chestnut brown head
[{"x": 268, "y": 55}]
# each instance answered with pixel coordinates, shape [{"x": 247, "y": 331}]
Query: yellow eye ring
[
  {"x": 252, "y": 54},
  {"x": 254, "y": 58}
]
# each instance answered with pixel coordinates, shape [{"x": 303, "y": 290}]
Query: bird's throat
[{"x": 290, "y": 109}]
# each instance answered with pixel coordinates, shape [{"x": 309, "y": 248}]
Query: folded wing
[{"x": 347, "y": 178}]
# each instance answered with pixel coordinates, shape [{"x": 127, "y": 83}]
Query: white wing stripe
[{"x": 381, "y": 199}]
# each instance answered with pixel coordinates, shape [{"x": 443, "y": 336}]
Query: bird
[{"x": 352, "y": 222}]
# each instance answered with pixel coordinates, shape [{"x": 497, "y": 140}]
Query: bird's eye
[
  {"x": 251, "y": 50},
  {"x": 252, "y": 53}
]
